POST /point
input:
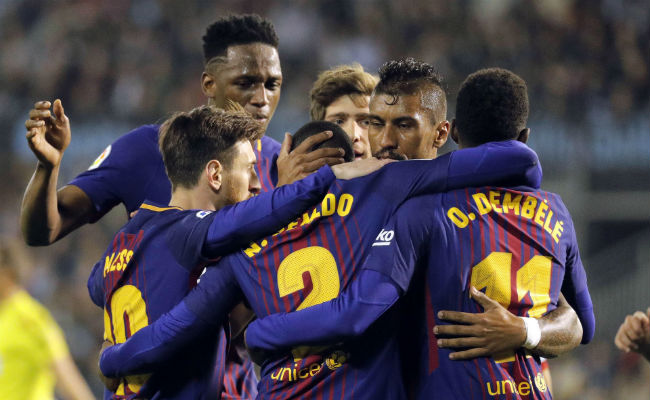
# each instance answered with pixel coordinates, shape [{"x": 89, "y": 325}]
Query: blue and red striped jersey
[
  {"x": 154, "y": 261},
  {"x": 131, "y": 170},
  {"x": 518, "y": 246}
]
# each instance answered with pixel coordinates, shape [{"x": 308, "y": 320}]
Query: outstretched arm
[
  {"x": 508, "y": 163},
  {"x": 236, "y": 226},
  {"x": 349, "y": 315},
  {"x": 47, "y": 215},
  {"x": 497, "y": 331},
  {"x": 202, "y": 311}
]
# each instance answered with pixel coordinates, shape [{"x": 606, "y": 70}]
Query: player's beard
[{"x": 390, "y": 154}]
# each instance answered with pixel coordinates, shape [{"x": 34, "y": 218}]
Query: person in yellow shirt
[{"x": 34, "y": 357}]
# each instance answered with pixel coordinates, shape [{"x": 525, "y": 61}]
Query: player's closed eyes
[{"x": 272, "y": 85}]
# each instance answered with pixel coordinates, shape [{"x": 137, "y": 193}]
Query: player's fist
[
  {"x": 634, "y": 334},
  {"x": 48, "y": 132}
]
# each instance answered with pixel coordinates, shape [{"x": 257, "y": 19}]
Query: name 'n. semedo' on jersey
[{"x": 339, "y": 204}]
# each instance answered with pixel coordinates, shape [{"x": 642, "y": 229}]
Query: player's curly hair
[
  {"x": 404, "y": 76},
  {"x": 344, "y": 80},
  {"x": 188, "y": 140},
  {"x": 237, "y": 29},
  {"x": 492, "y": 105},
  {"x": 408, "y": 77}
]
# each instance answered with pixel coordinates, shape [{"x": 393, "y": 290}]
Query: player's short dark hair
[
  {"x": 339, "y": 138},
  {"x": 188, "y": 140},
  {"x": 350, "y": 80},
  {"x": 408, "y": 77},
  {"x": 492, "y": 105},
  {"x": 237, "y": 29}
]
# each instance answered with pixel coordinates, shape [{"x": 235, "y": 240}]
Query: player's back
[
  {"x": 516, "y": 246},
  {"x": 150, "y": 265},
  {"x": 310, "y": 262}
]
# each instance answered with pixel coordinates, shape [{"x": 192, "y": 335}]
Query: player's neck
[{"x": 191, "y": 199}]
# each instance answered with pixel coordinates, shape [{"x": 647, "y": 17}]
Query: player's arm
[
  {"x": 369, "y": 296},
  {"x": 497, "y": 330},
  {"x": 574, "y": 287},
  {"x": 384, "y": 277},
  {"x": 70, "y": 384},
  {"x": 47, "y": 214},
  {"x": 492, "y": 164},
  {"x": 262, "y": 215},
  {"x": 202, "y": 311}
]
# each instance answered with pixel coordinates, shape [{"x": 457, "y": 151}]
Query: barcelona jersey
[
  {"x": 154, "y": 260},
  {"x": 131, "y": 170},
  {"x": 516, "y": 245}
]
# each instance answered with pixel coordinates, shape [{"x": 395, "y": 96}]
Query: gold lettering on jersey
[
  {"x": 117, "y": 261},
  {"x": 509, "y": 386},
  {"x": 528, "y": 207},
  {"x": 334, "y": 361},
  {"x": 340, "y": 205}
]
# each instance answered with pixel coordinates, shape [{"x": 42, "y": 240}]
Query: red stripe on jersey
[
  {"x": 261, "y": 283},
  {"x": 273, "y": 290},
  {"x": 339, "y": 253},
  {"x": 431, "y": 323},
  {"x": 480, "y": 377}
]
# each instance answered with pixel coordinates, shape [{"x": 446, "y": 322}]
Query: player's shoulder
[
  {"x": 421, "y": 209},
  {"x": 143, "y": 135},
  {"x": 269, "y": 145}
]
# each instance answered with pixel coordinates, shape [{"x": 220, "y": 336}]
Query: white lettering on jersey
[{"x": 384, "y": 238}]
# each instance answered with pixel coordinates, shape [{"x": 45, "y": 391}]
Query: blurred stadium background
[{"x": 123, "y": 63}]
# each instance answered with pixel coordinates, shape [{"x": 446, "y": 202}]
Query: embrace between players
[{"x": 367, "y": 279}]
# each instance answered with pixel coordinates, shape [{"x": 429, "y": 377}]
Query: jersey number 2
[{"x": 320, "y": 264}]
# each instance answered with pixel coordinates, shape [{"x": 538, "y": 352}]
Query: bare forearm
[
  {"x": 47, "y": 214},
  {"x": 39, "y": 217},
  {"x": 561, "y": 332},
  {"x": 69, "y": 382}
]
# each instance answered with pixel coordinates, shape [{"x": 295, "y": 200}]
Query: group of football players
[{"x": 440, "y": 277}]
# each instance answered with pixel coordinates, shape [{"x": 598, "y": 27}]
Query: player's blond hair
[{"x": 350, "y": 80}]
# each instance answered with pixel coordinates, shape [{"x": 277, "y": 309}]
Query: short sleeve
[
  {"x": 400, "y": 241},
  {"x": 128, "y": 171}
]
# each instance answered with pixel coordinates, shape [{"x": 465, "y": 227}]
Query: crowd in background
[{"x": 122, "y": 63}]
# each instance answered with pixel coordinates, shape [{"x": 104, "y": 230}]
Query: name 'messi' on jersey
[
  {"x": 512, "y": 203},
  {"x": 332, "y": 204}
]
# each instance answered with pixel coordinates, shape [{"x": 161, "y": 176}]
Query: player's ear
[
  {"x": 523, "y": 135},
  {"x": 442, "y": 133},
  {"x": 454, "y": 131},
  {"x": 208, "y": 85},
  {"x": 214, "y": 170}
]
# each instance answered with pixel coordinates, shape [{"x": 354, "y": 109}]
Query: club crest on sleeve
[
  {"x": 202, "y": 214},
  {"x": 99, "y": 160},
  {"x": 384, "y": 238}
]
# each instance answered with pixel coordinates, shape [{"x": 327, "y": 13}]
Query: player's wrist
[{"x": 533, "y": 332}]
